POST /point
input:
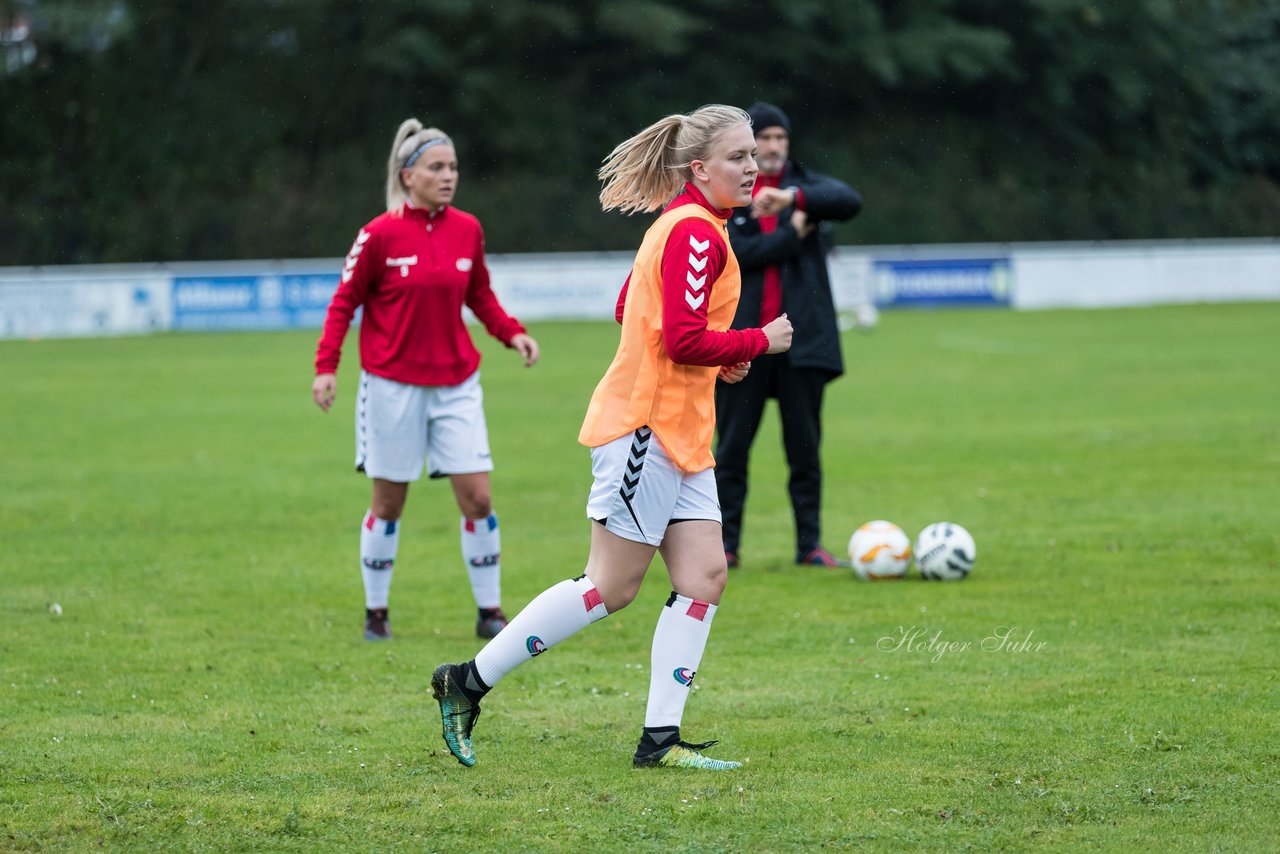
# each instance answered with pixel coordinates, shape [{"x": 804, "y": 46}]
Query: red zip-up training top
[{"x": 413, "y": 271}]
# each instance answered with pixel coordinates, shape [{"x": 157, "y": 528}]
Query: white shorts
[
  {"x": 401, "y": 427},
  {"x": 638, "y": 490}
]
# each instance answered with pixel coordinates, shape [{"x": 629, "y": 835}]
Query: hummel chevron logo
[
  {"x": 349, "y": 268},
  {"x": 635, "y": 462},
  {"x": 696, "y": 283}
]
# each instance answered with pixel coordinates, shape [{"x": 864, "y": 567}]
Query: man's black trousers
[{"x": 739, "y": 409}]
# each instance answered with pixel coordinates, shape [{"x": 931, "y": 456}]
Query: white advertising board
[
  {"x": 54, "y": 306},
  {"x": 561, "y": 286},
  {"x": 1112, "y": 275}
]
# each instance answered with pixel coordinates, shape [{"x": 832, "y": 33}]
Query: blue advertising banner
[
  {"x": 287, "y": 301},
  {"x": 946, "y": 282}
]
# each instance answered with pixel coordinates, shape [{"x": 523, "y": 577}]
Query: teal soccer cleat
[{"x": 457, "y": 713}]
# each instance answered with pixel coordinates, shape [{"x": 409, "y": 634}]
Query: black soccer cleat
[{"x": 377, "y": 624}]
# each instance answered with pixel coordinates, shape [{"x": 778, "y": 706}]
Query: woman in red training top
[
  {"x": 413, "y": 269},
  {"x": 649, "y": 427}
]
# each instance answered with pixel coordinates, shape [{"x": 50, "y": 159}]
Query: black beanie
[{"x": 766, "y": 116}]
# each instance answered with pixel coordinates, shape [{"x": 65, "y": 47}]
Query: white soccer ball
[
  {"x": 945, "y": 552},
  {"x": 880, "y": 551}
]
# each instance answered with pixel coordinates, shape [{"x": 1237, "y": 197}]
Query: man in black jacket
[{"x": 781, "y": 242}]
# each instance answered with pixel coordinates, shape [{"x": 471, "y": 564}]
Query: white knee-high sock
[
  {"x": 378, "y": 541},
  {"x": 556, "y": 613},
  {"x": 678, "y": 644},
  {"x": 482, "y": 553}
]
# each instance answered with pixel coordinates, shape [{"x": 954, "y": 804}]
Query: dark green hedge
[{"x": 178, "y": 130}]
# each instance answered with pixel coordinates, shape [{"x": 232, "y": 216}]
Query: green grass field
[{"x": 205, "y": 687}]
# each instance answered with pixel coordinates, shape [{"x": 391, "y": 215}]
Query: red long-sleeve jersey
[
  {"x": 413, "y": 271},
  {"x": 685, "y": 335}
]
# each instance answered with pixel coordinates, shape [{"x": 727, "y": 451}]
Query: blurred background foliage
[{"x": 159, "y": 130}]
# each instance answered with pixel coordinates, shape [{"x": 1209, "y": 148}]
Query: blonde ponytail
[
  {"x": 645, "y": 172},
  {"x": 410, "y": 137}
]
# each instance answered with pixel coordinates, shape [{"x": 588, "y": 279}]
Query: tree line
[{"x": 159, "y": 130}]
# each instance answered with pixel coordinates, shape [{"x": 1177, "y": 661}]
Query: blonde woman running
[{"x": 649, "y": 427}]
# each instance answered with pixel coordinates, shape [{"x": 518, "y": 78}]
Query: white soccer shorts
[
  {"x": 401, "y": 427},
  {"x": 638, "y": 490}
]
